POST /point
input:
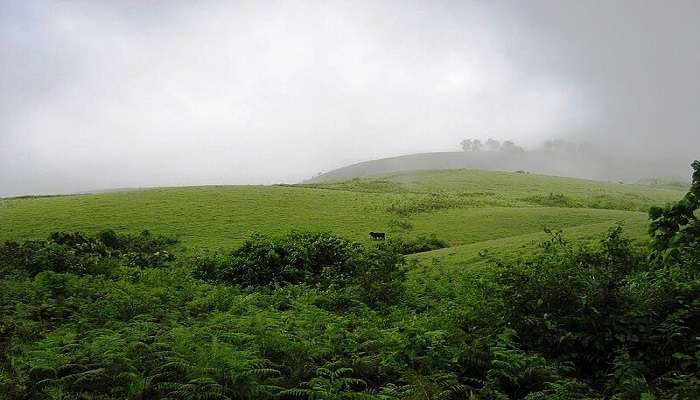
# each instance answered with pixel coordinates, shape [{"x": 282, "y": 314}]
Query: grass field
[
  {"x": 209, "y": 217},
  {"x": 515, "y": 188},
  {"x": 480, "y": 253},
  {"x": 472, "y": 210}
]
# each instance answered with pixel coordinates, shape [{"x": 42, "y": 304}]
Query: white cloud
[{"x": 262, "y": 92}]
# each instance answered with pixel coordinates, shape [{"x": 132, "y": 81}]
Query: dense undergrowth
[
  {"x": 315, "y": 316},
  {"x": 627, "y": 201}
]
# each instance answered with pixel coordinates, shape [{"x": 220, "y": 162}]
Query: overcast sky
[{"x": 100, "y": 94}]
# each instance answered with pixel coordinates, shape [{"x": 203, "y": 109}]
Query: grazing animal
[{"x": 377, "y": 235}]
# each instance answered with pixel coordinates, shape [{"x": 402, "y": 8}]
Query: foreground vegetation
[{"x": 307, "y": 315}]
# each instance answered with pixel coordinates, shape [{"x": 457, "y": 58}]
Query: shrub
[
  {"x": 299, "y": 257},
  {"x": 569, "y": 302},
  {"x": 142, "y": 243},
  {"x": 380, "y": 275},
  {"x": 675, "y": 229},
  {"x": 417, "y": 244},
  {"x": 414, "y": 204},
  {"x": 79, "y": 254},
  {"x": 628, "y": 324},
  {"x": 554, "y": 200},
  {"x": 318, "y": 259}
]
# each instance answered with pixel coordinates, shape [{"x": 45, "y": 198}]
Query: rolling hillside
[
  {"x": 469, "y": 209},
  {"x": 581, "y": 163}
]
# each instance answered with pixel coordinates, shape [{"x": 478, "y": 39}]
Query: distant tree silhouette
[
  {"x": 466, "y": 144},
  {"x": 471, "y": 145},
  {"x": 510, "y": 147},
  {"x": 493, "y": 144},
  {"x": 476, "y": 145}
]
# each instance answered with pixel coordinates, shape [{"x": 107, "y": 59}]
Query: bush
[
  {"x": 561, "y": 302},
  {"x": 610, "y": 309},
  {"x": 380, "y": 275},
  {"x": 554, "y": 200},
  {"x": 417, "y": 244},
  {"x": 143, "y": 243},
  {"x": 299, "y": 257},
  {"x": 80, "y": 254},
  {"x": 317, "y": 259},
  {"x": 675, "y": 229}
]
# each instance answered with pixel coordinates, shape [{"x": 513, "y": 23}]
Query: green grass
[
  {"x": 470, "y": 209},
  {"x": 466, "y": 226},
  {"x": 483, "y": 253},
  {"x": 516, "y": 188},
  {"x": 209, "y": 217}
]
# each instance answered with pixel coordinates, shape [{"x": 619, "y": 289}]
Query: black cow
[{"x": 377, "y": 235}]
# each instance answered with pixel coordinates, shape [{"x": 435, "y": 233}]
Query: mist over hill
[
  {"x": 182, "y": 93},
  {"x": 559, "y": 158}
]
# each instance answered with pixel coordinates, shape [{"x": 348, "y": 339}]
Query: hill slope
[
  {"x": 578, "y": 163},
  {"x": 465, "y": 208}
]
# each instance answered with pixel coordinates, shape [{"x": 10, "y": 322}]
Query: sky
[{"x": 108, "y": 94}]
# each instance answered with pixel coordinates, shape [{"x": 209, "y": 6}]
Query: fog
[{"x": 98, "y": 94}]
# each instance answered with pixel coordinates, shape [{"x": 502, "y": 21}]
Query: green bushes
[
  {"x": 317, "y": 259},
  {"x": 581, "y": 323},
  {"x": 625, "y": 201},
  {"x": 609, "y": 309},
  {"x": 84, "y": 255},
  {"x": 675, "y": 229},
  {"x": 87, "y": 257},
  {"x": 554, "y": 200},
  {"x": 568, "y": 303},
  {"x": 314, "y": 258},
  {"x": 420, "y": 203},
  {"x": 416, "y": 244}
]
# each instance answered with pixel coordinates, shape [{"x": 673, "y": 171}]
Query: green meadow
[{"x": 466, "y": 208}]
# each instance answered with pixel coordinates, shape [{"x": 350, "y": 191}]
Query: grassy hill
[
  {"x": 578, "y": 162},
  {"x": 468, "y": 208}
]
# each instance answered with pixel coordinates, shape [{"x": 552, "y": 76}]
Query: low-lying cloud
[{"x": 122, "y": 94}]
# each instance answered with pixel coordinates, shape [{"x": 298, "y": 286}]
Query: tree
[
  {"x": 510, "y": 147},
  {"x": 675, "y": 228},
  {"x": 471, "y": 145},
  {"x": 493, "y": 145},
  {"x": 466, "y": 144},
  {"x": 476, "y": 145}
]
